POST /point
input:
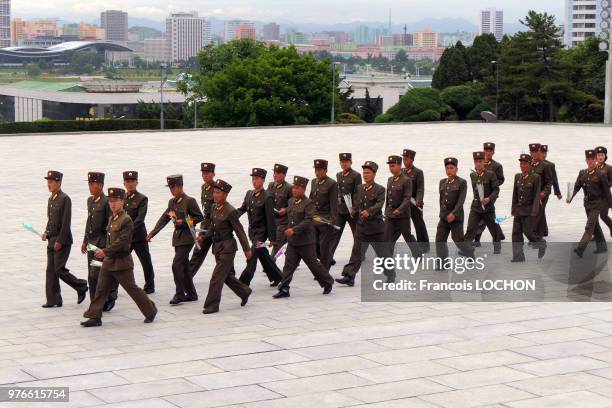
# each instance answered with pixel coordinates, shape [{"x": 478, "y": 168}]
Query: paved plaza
[{"x": 308, "y": 350}]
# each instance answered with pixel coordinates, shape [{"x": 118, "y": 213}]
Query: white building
[
  {"x": 5, "y": 23},
  {"x": 186, "y": 34},
  {"x": 155, "y": 49},
  {"x": 229, "y": 33},
  {"x": 581, "y": 20},
  {"x": 492, "y": 22}
]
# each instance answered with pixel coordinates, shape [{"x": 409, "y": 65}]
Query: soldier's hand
[
  {"x": 44, "y": 236},
  {"x": 420, "y": 204},
  {"x": 451, "y": 217},
  {"x": 149, "y": 237},
  {"x": 83, "y": 248},
  {"x": 542, "y": 195},
  {"x": 289, "y": 232},
  {"x": 282, "y": 212},
  {"x": 248, "y": 254},
  {"x": 272, "y": 243},
  {"x": 486, "y": 201},
  {"x": 559, "y": 196},
  {"x": 200, "y": 239},
  {"x": 364, "y": 214},
  {"x": 178, "y": 222},
  {"x": 100, "y": 254},
  {"x": 396, "y": 212},
  {"x": 57, "y": 247}
]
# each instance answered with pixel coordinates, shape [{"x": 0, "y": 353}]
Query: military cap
[
  {"x": 115, "y": 192},
  {"x": 300, "y": 181},
  {"x": 95, "y": 177},
  {"x": 130, "y": 175},
  {"x": 544, "y": 148},
  {"x": 258, "y": 172},
  {"x": 601, "y": 149},
  {"x": 222, "y": 185},
  {"x": 590, "y": 154},
  {"x": 207, "y": 167},
  {"x": 320, "y": 164},
  {"x": 451, "y": 160},
  {"x": 394, "y": 160},
  {"x": 280, "y": 168},
  {"x": 409, "y": 153},
  {"x": 345, "y": 156},
  {"x": 478, "y": 155},
  {"x": 525, "y": 158},
  {"x": 370, "y": 165},
  {"x": 534, "y": 147},
  {"x": 54, "y": 175},
  {"x": 488, "y": 146},
  {"x": 174, "y": 180}
]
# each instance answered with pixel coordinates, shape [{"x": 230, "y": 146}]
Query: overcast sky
[{"x": 320, "y": 11}]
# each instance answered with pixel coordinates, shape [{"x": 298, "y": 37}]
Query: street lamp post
[
  {"x": 608, "y": 94},
  {"x": 333, "y": 106},
  {"x": 162, "y": 68},
  {"x": 496, "y": 63}
]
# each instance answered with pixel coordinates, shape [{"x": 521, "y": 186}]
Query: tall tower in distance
[
  {"x": 115, "y": 24},
  {"x": 492, "y": 21},
  {"x": 5, "y": 23}
]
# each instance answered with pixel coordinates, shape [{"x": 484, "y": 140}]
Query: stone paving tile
[
  {"x": 328, "y": 366},
  {"x": 320, "y": 383},
  {"x": 140, "y": 391},
  {"x": 479, "y": 345},
  {"x": 560, "y": 384},
  {"x": 80, "y": 382},
  {"x": 406, "y": 371},
  {"x": 166, "y": 371},
  {"x": 476, "y": 397},
  {"x": 257, "y": 360},
  {"x": 579, "y": 399},
  {"x": 217, "y": 398},
  {"x": 78, "y": 399},
  {"x": 559, "y": 335},
  {"x": 240, "y": 377},
  {"x": 558, "y": 350},
  {"x": 560, "y": 365},
  {"x": 394, "y": 390},
  {"x": 409, "y": 355},
  {"x": 480, "y": 378},
  {"x": 399, "y": 403},
  {"x": 329, "y": 399},
  {"x": 145, "y": 403},
  {"x": 339, "y": 350},
  {"x": 483, "y": 360}
]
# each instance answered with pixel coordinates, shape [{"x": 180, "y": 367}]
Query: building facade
[
  {"x": 115, "y": 25},
  {"x": 492, "y": 22},
  {"x": 581, "y": 20},
  {"x": 155, "y": 49},
  {"x": 229, "y": 32},
  {"x": 5, "y": 23},
  {"x": 425, "y": 38},
  {"x": 186, "y": 34},
  {"x": 246, "y": 31},
  {"x": 271, "y": 32}
]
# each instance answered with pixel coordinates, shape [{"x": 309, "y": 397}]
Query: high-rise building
[
  {"x": 229, "y": 33},
  {"x": 425, "y": 38},
  {"x": 5, "y": 23},
  {"x": 186, "y": 34},
  {"x": 292, "y": 36},
  {"x": 91, "y": 32},
  {"x": 155, "y": 50},
  {"x": 581, "y": 20},
  {"x": 246, "y": 31},
  {"x": 271, "y": 32},
  {"x": 115, "y": 24},
  {"x": 492, "y": 21}
]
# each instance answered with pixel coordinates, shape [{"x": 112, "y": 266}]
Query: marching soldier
[
  {"x": 602, "y": 166},
  {"x": 416, "y": 204},
  {"x": 348, "y": 180},
  {"x": 483, "y": 207},
  {"x": 553, "y": 172},
  {"x": 181, "y": 209},
  {"x": 525, "y": 208},
  {"x": 370, "y": 225},
  {"x": 59, "y": 241},
  {"x": 199, "y": 254},
  {"x": 324, "y": 193},
  {"x": 224, "y": 223},
  {"x": 301, "y": 241},
  {"x": 596, "y": 189},
  {"x": 259, "y": 205},
  {"x": 117, "y": 265},
  {"x": 397, "y": 209},
  {"x": 544, "y": 170},
  {"x": 453, "y": 190},
  {"x": 136, "y": 205},
  {"x": 280, "y": 190},
  {"x": 98, "y": 213},
  {"x": 498, "y": 169}
]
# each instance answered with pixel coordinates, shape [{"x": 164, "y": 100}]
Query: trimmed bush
[
  {"x": 64, "y": 126},
  {"x": 344, "y": 118}
]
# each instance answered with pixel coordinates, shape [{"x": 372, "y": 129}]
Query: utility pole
[
  {"x": 496, "y": 63},
  {"x": 162, "y": 68},
  {"x": 608, "y": 97},
  {"x": 333, "y": 106},
  {"x": 605, "y": 45}
]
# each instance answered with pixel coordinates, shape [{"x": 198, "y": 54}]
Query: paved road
[{"x": 308, "y": 350}]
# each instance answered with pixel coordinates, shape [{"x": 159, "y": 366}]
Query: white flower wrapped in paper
[{"x": 30, "y": 228}]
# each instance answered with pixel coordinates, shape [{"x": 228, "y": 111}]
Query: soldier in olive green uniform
[
  {"x": 483, "y": 208},
  {"x": 324, "y": 193},
  {"x": 370, "y": 225},
  {"x": 603, "y": 167},
  {"x": 397, "y": 209},
  {"x": 117, "y": 265},
  {"x": 259, "y": 206},
  {"x": 544, "y": 170},
  {"x": 136, "y": 205},
  {"x": 301, "y": 241},
  {"x": 98, "y": 213},
  {"x": 453, "y": 191},
  {"x": 199, "y": 254},
  {"x": 498, "y": 169},
  {"x": 280, "y": 190},
  {"x": 59, "y": 240},
  {"x": 596, "y": 196},
  {"x": 553, "y": 171},
  {"x": 348, "y": 180},
  {"x": 224, "y": 223},
  {"x": 418, "y": 191},
  {"x": 179, "y": 208},
  {"x": 525, "y": 208}
]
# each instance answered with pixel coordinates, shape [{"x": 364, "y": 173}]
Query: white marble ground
[{"x": 309, "y": 350}]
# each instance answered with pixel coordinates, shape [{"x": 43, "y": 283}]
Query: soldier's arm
[
  {"x": 358, "y": 181},
  {"x": 407, "y": 195},
  {"x": 161, "y": 223},
  {"x": 555, "y": 180},
  {"x": 86, "y": 225},
  {"x": 420, "y": 188},
  {"x": 536, "y": 196},
  {"x": 307, "y": 222},
  {"x": 495, "y": 188},
  {"x": 499, "y": 173},
  {"x": 514, "y": 196},
  {"x": 333, "y": 202},
  {"x": 548, "y": 180},
  {"x": 142, "y": 213},
  {"x": 123, "y": 242},
  {"x": 270, "y": 219},
  {"x": 194, "y": 212},
  {"x": 239, "y": 230},
  {"x": 64, "y": 234},
  {"x": 312, "y": 189},
  {"x": 380, "y": 202},
  {"x": 610, "y": 176},
  {"x": 461, "y": 200},
  {"x": 605, "y": 187},
  {"x": 243, "y": 208},
  {"x": 577, "y": 185}
]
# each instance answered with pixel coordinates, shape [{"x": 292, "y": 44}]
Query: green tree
[
  {"x": 483, "y": 51},
  {"x": 33, "y": 70},
  {"x": 452, "y": 70},
  {"x": 462, "y": 98},
  {"x": 418, "y": 105},
  {"x": 585, "y": 67}
]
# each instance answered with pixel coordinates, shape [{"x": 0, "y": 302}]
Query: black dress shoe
[
  {"x": 245, "y": 299},
  {"x": 191, "y": 298},
  {"x": 109, "y": 305},
  {"x": 281, "y": 294},
  {"x": 82, "y": 296},
  {"x": 49, "y": 305},
  {"x": 150, "y": 319},
  {"x": 210, "y": 311},
  {"x": 600, "y": 250},
  {"x": 327, "y": 290},
  {"x": 520, "y": 258},
  {"x": 176, "y": 301},
  {"x": 92, "y": 323},
  {"x": 149, "y": 291},
  {"x": 476, "y": 244},
  {"x": 275, "y": 283},
  {"x": 541, "y": 251},
  {"x": 332, "y": 263},
  {"x": 346, "y": 280}
]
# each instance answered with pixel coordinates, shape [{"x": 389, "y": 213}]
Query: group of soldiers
[{"x": 303, "y": 227}]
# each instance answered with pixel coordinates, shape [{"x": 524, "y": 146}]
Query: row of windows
[
  {"x": 583, "y": 25},
  {"x": 583, "y": 34},
  {"x": 587, "y": 7},
  {"x": 584, "y": 16}
]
